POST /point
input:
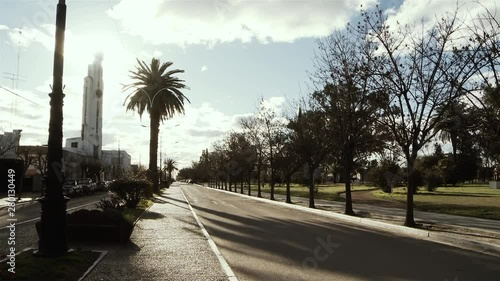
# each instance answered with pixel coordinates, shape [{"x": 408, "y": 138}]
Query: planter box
[
  {"x": 495, "y": 184},
  {"x": 94, "y": 226}
]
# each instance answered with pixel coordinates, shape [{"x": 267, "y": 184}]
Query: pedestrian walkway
[
  {"x": 167, "y": 244},
  {"x": 26, "y": 198},
  {"x": 397, "y": 216}
]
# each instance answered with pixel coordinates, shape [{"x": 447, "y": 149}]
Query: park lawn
[
  {"x": 325, "y": 191},
  {"x": 466, "y": 200},
  {"x": 71, "y": 266}
]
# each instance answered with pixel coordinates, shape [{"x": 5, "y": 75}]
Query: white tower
[{"x": 92, "y": 109}]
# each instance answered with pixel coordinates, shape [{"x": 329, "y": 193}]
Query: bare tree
[
  {"x": 250, "y": 126},
  {"x": 347, "y": 100},
  {"x": 311, "y": 141},
  {"x": 420, "y": 69}
]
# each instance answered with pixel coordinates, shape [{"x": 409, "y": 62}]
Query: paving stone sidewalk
[{"x": 167, "y": 244}]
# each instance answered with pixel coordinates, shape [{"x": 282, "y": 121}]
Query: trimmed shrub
[{"x": 132, "y": 190}]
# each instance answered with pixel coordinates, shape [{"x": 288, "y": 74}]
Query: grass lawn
[
  {"x": 31, "y": 268},
  {"x": 476, "y": 200},
  {"x": 132, "y": 215},
  {"x": 325, "y": 191}
]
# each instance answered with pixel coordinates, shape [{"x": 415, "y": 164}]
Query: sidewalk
[
  {"x": 167, "y": 244},
  {"x": 26, "y": 198}
]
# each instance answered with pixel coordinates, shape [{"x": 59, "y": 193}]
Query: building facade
[
  {"x": 9, "y": 142},
  {"x": 115, "y": 163}
]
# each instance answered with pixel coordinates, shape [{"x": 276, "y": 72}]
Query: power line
[{"x": 1, "y": 87}]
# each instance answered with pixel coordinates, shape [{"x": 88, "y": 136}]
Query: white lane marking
[
  {"x": 34, "y": 219},
  {"x": 215, "y": 202},
  {"x": 225, "y": 266}
]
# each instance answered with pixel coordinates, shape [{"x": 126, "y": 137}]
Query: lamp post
[{"x": 52, "y": 240}]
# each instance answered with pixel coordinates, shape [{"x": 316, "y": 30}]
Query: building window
[{"x": 74, "y": 144}]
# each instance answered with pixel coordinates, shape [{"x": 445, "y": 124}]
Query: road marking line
[
  {"x": 34, "y": 219},
  {"x": 225, "y": 266},
  {"x": 215, "y": 202}
]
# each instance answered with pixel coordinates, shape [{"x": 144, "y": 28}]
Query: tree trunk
[
  {"x": 249, "y": 184},
  {"x": 410, "y": 220},
  {"x": 347, "y": 176},
  {"x": 153, "y": 150},
  {"x": 241, "y": 186},
  {"x": 258, "y": 179},
  {"x": 272, "y": 184},
  {"x": 288, "y": 196},
  {"x": 311, "y": 187}
]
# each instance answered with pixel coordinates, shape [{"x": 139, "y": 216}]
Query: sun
[{"x": 82, "y": 49}]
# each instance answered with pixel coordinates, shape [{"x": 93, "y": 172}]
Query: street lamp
[{"x": 52, "y": 240}]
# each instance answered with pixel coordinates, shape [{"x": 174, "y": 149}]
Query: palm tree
[
  {"x": 170, "y": 166},
  {"x": 158, "y": 91}
]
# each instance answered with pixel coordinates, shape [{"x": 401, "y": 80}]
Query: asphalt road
[
  {"x": 262, "y": 241},
  {"x": 30, "y": 211}
]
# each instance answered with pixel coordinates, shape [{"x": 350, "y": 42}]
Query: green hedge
[{"x": 132, "y": 190}]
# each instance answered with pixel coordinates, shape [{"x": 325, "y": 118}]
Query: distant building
[
  {"x": 9, "y": 142},
  {"x": 90, "y": 141},
  {"x": 116, "y": 163},
  {"x": 87, "y": 149}
]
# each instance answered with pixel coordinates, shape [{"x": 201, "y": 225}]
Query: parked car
[
  {"x": 72, "y": 188},
  {"x": 102, "y": 186},
  {"x": 88, "y": 186}
]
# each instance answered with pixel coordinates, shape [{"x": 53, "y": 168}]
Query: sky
[{"x": 234, "y": 52}]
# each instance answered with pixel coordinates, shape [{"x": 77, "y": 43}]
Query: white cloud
[
  {"x": 204, "y": 68},
  {"x": 219, "y": 21},
  {"x": 415, "y": 11},
  {"x": 25, "y": 37},
  {"x": 4, "y": 27}
]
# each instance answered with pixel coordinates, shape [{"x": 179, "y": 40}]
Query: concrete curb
[{"x": 480, "y": 247}]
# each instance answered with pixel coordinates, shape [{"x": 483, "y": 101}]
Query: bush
[
  {"x": 113, "y": 202},
  {"x": 132, "y": 190},
  {"x": 432, "y": 180},
  {"x": 385, "y": 176}
]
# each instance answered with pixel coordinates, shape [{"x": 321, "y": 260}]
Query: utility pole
[{"x": 52, "y": 240}]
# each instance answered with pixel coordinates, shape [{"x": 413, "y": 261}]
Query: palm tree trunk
[
  {"x": 169, "y": 180},
  {"x": 153, "y": 150}
]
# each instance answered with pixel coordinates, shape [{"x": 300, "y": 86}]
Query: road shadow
[{"x": 362, "y": 254}]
